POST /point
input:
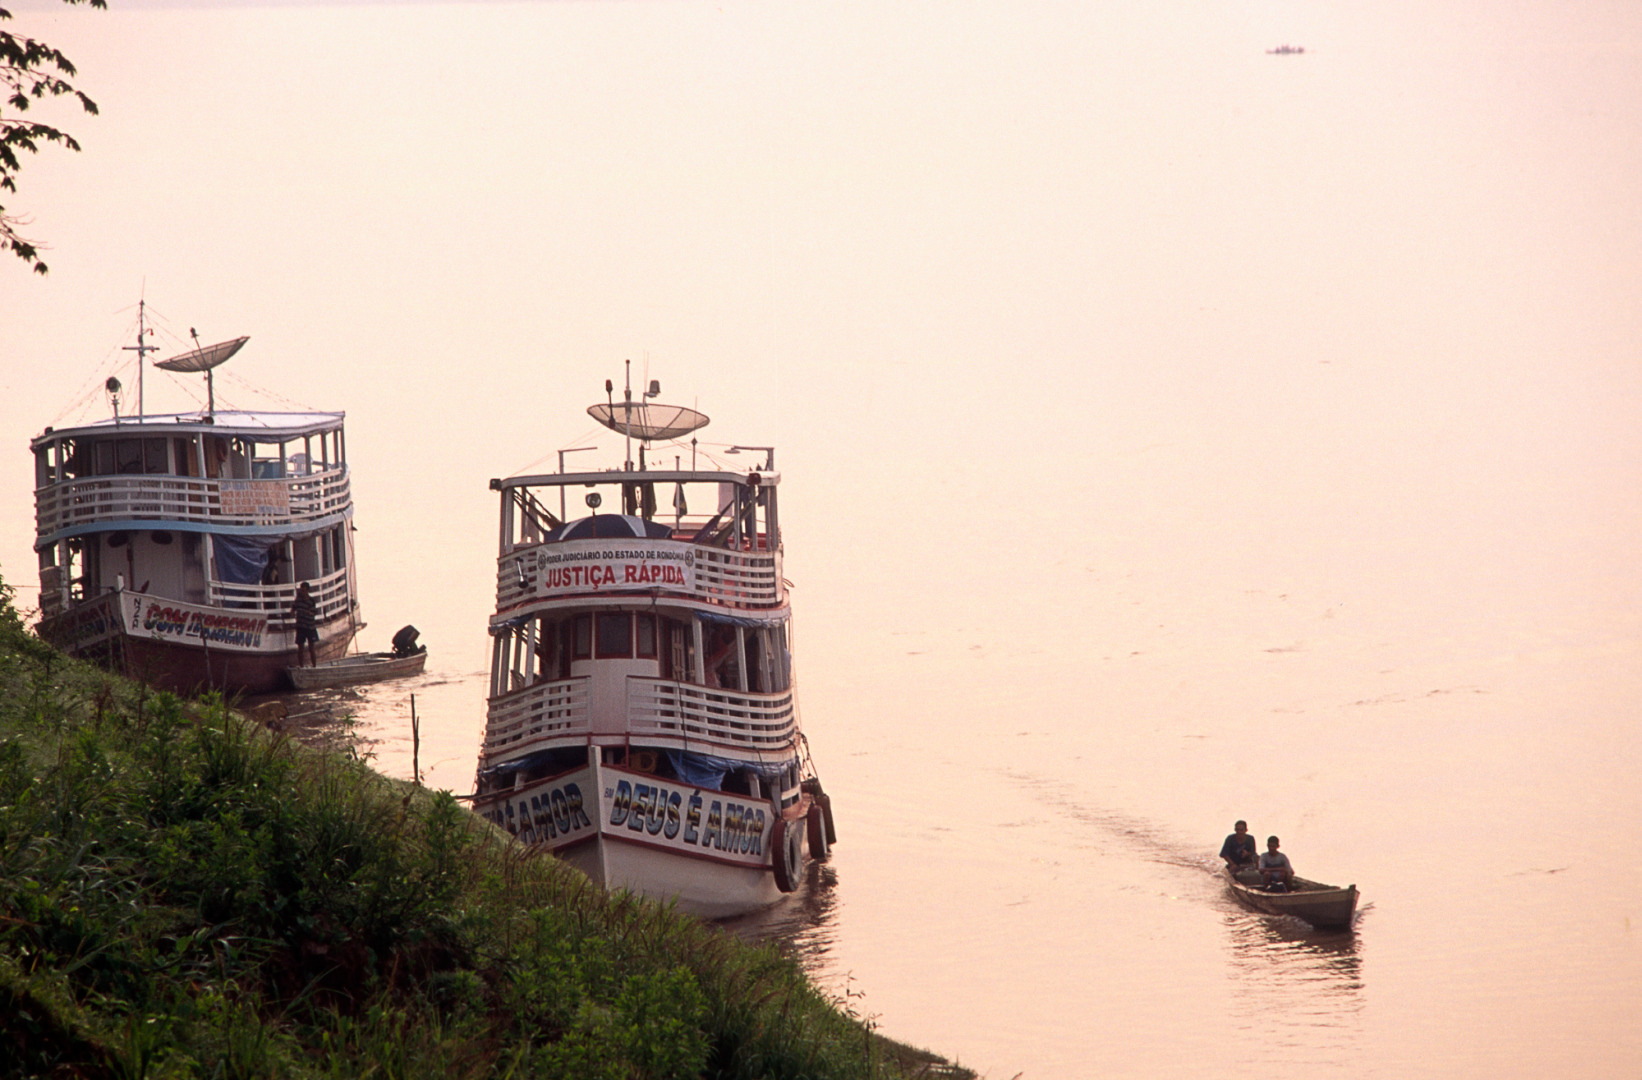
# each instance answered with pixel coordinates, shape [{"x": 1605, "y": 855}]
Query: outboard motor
[{"x": 404, "y": 642}]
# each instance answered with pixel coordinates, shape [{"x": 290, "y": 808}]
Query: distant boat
[
  {"x": 1286, "y": 50},
  {"x": 1327, "y": 907}
]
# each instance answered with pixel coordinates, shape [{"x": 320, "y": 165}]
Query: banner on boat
[
  {"x": 661, "y": 813},
  {"x": 255, "y": 498},
  {"x": 84, "y": 624},
  {"x": 168, "y": 620},
  {"x": 579, "y": 566},
  {"x": 688, "y": 818},
  {"x": 553, "y": 814}
]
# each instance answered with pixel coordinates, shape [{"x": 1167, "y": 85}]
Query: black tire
[
  {"x": 787, "y": 855},
  {"x": 820, "y": 848}
]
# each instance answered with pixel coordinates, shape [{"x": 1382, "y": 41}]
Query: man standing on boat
[
  {"x": 1238, "y": 850},
  {"x": 305, "y": 612},
  {"x": 1275, "y": 870}
]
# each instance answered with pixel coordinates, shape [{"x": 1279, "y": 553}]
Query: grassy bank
[{"x": 184, "y": 894}]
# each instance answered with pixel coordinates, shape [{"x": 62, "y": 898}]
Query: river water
[
  {"x": 1171, "y": 432},
  {"x": 1030, "y": 798}
]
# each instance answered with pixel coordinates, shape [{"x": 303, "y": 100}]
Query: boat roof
[
  {"x": 259, "y": 425},
  {"x": 754, "y": 478}
]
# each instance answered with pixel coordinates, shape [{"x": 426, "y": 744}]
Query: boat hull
[
  {"x": 186, "y": 648},
  {"x": 709, "y": 851},
  {"x": 356, "y": 670},
  {"x": 1326, "y": 907}
]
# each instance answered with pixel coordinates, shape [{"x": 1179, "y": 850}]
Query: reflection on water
[
  {"x": 325, "y": 719},
  {"x": 804, "y": 925},
  {"x": 1301, "y": 987},
  {"x": 374, "y": 722}
]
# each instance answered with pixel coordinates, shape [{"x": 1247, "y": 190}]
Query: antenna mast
[
  {"x": 141, "y": 350},
  {"x": 210, "y": 390},
  {"x": 627, "y": 396}
]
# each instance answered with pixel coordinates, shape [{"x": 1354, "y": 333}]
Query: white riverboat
[
  {"x": 171, "y": 546},
  {"x": 641, "y": 722}
]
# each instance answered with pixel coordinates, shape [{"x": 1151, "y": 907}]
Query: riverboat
[
  {"x": 171, "y": 546},
  {"x": 641, "y": 721},
  {"x": 1327, "y": 907}
]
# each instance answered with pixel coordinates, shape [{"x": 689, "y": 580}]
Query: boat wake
[{"x": 1133, "y": 834}]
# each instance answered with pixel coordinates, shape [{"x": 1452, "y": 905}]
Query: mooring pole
[{"x": 416, "y": 745}]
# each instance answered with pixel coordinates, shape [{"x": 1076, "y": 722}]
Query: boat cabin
[
  {"x": 229, "y": 510},
  {"x": 660, "y": 633}
]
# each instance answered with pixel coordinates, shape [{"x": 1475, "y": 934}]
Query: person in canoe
[
  {"x": 1275, "y": 870},
  {"x": 1238, "y": 850}
]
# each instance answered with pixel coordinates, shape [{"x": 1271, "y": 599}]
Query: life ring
[
  {"x": 787, "y": 849},
  {"x": 820, "y": 848}
]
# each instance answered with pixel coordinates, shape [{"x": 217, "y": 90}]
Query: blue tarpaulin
[
  {"x": 242, "y": 559},
  {"x": 704, "y": 770},
  {"x": 739, "y": 620}
]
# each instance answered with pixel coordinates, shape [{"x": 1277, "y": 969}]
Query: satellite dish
[
  {"x": 203, "y": 359},
  {"x": 648, "y": 421}
]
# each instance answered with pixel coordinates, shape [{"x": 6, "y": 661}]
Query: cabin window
[
  {"x": 128, "y": 456},
  {"x": 238, "y": 465},
  {"x": 677, "y": 657},
  {"x": 754, "y": 644},
  {"x": 154, "y": 459},
  {"x": 723, "y": 661},
  {"x": 615, "y": 634},
  {"x": 646, "y": 644},
  {"x": 267, "y": 461},
  {"x": 182, "y": 453},
  {"x": 582, "y": 633},
  {"x": 551, "y": 661},
  {"x": 76, "y": 457}
]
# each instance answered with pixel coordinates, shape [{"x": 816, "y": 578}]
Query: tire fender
[
  {"x": 820, "y": 846},
  {"x": 787, "y": 854}
]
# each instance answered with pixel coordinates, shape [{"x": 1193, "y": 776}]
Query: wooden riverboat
[
  {"x": 356, "y": 670},
  {"x": 171, "y": 546},
  {"x": 641, "y": 723},
  {"x": 1327, "y": 907}
]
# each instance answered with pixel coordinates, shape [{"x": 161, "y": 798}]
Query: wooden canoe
[
  {"x": 1327, "y": 907},
  {"x": 356, "y": 670}
]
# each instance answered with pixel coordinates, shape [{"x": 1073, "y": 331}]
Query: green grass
[{"x": 183, "y": 894}]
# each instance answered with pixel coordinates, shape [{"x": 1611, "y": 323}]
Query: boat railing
[
  {"x": 740, "y": 578},
  {"x": 709, "y": 717},
  {"x": 535, "y": 713},
  {"x": 733, "y": 578},
  {"x": 330, "y": 594},
  {"x": 97, "y": 499}
]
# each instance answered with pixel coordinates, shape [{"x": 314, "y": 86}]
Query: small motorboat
[
  {"x": 356, "y": 670},
  {"x": 1327, "y": 907}
]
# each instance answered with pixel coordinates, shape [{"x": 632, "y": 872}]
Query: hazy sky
[{"x": 1105, "y": 270}]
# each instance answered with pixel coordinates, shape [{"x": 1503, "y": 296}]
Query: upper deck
[
  {"x": 730, "y": 557},
  {"x": 232, "y": 472}
]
